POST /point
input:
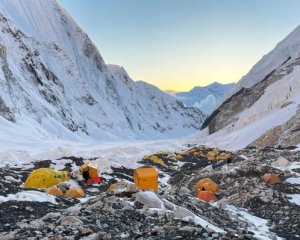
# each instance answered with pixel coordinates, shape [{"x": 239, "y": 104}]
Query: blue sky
[{"x": 178, "y": 44}]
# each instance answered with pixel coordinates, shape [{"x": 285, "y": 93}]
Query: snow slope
[
  {"x": 264, "y": 110},
  {"x": 55, "y": 84},
  {"x": 205, "y": 98}
]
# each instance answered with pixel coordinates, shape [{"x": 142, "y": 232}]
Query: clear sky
[{"x": 179, "y": 44}]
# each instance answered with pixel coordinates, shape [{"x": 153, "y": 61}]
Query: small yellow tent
[
  {"x": 75, "y": 192},
  {"x": 223, "y": 156},
  {"x": 207, "y": 184},
  {"x": 45, "y": 178},
  {"x": 211, "y": 156},
  {"x": 54, "y": 190},
  {"x": 92, "y": 169},
  {"x": 146, "y": 178}
]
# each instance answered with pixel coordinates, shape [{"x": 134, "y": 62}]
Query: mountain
[
  {"x": 205, "y": 98},
  {"x": 263, "y": 108},
  {"x": 54, "y": 82}
]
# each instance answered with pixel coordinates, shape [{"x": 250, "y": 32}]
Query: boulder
[{"x": 281, "y": 162}]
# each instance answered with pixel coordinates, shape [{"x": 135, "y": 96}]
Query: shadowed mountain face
[
  {"x": 54, "y": 82},
  {"x": 269, "y": 93}
]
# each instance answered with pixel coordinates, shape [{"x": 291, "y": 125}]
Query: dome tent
[
  {"x": 206, "y": 196},
  {"x": 271, "y": 179},
  {"x": 207, "y": 184},
  {"x": 45, "y": 178}
]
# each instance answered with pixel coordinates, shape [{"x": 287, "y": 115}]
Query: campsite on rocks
[{"x": 88, "y": 153}]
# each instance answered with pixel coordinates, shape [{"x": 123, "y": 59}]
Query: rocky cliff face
[
  {"x": 261, "y": 97},
  {"x": 54, "y": 82}
]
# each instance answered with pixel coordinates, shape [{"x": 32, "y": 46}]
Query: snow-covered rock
[
  {"x": 149, "y": 199},
  {"x": 54, "y": 83},
  {"x": 264, "y": 109},
  {"x": 205, "y": 98}
]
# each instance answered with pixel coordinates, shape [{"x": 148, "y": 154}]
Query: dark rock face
[
  {"x": 228, "y": 112},
  {"x": 285, "y": 135}
]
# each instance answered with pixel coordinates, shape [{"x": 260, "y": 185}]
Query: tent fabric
[
  {"x": 271, "y": 179},
  {"x": 207, "y": 184},
  {"x": 45, "y": 178},
  {"x": 75, "y": 192},
  {"x": 146, "y": 178},
  {"x": 54, "y": 190},
  {"x": 211, "y": 156},
  {"x": 206, "y": 196},
  {"x": 91, "y": 169}
]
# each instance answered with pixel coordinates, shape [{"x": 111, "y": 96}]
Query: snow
[
  {"x": 256, "y": 225},
  {"x": 72, "y": 94},
  {"x": 293, "y": 180},
  {"x": 287, "y": 48},
  {"x": 32, "y": 196},
  {"x": 294, "y": 198},
  {"x": 204, "y": 98}
]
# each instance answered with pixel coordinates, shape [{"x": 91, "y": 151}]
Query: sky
[{"x": 180, "y": 44}]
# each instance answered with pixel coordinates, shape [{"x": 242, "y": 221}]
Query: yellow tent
[
  {"x": 75, "y": 192},
  {"x": 211, "y": 156},
  {"x": 146, "y": 178},
  {"x": 224, "y": 156},
  {"x": 207, "y": 184},
  {"x": 46, "y": 177},
  {"x": 92, "y": 169},
  {"x": 54, "y": 190}
]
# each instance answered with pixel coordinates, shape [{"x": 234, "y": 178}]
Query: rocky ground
[{"x": 247, "y": 208}]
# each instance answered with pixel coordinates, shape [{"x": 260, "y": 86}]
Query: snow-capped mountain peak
[
  {"x": 54, "y": 82},
  {"x": 205, "y": 98}
]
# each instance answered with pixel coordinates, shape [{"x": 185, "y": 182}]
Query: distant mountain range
[{"x": 205, "y": 98}]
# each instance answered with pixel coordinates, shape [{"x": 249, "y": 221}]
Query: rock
[
  {"x": 184, "y": 191},
  {"x": 12, "y": 179},
  {"x": 281, "y": 162},
  {"x": 86, "y": 231},
  {"x": 71, "y": 221},
  {"x": 149, "y": 199},
  {"x": 74, "y": 210},
  {"x": 36, "y": 224},
  {"x": 51, "y": 216},
  {"x": 29, "y": 209},
  {"x": 132, "y": 188}
]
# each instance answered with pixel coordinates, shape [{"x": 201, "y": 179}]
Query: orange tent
[
  {"x": 271, "y": 179},
  {"x": 207, "y": 184},
  {"x": 75, "y": 192},
  {"x": 55, "y": 191},
  {"x": 206, "y": 196},
  {"x": 146, "y": 178}
]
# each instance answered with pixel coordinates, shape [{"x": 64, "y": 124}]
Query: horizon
[{"x": 178, "y": 45}]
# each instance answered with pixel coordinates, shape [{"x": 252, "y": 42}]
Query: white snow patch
[
  {"x": 32, "y": 196},
  {"x": 294, "y": 198},
  {"x": 257, "y": 225},
  {"x": 293, "y": 180}
]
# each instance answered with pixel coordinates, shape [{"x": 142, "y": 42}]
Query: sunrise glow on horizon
[{"x": 180, "y": 44}]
